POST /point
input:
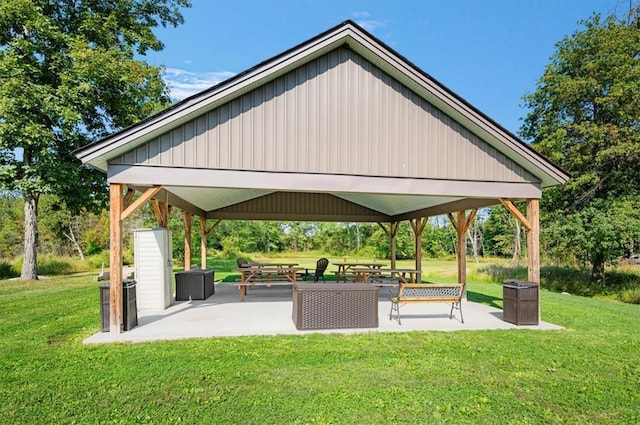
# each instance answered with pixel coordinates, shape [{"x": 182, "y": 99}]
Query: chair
[{"x": 321, "y": 266}]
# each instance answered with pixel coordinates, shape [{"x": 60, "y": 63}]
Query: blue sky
[{"x": 490, "y": 52}]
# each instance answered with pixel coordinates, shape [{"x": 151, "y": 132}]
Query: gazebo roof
[{"x": 338, "y": 128}]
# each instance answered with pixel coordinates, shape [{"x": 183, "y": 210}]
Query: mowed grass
[{"x": 587, "y": 373}]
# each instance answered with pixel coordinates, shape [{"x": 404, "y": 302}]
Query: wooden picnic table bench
[
  {"x": 265, "y": 275},
  {"x": 346, "y": 269},
  {"x": 385, "y": 277},
  {"x": 409, "y": 293}
]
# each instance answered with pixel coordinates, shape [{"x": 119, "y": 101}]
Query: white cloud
[
  {"x": 371, "y": 25},
  {"x": 364, "y": 20},
  {"x": 359, "y": 15},
  {"x": 184, "y": 83}
]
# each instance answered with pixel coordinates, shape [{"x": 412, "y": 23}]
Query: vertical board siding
[
  {"x": 338, "y": 114},
  {"x": 201, "y": 151},
  {"x": 189, "y": 155},
  {"x": 300, "y": 203}
]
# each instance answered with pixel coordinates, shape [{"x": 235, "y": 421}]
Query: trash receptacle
[
  {"x": 129, "y": 306},
  {"x": 520, "y": 302},
  {"x": 194, "y": 285}
]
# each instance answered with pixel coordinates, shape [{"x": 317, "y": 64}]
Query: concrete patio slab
[{"x": 268, "y": 311}]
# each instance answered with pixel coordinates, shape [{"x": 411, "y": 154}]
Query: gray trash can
[
  {"x": 520, "y": 302},
  {"x": 194, "y": 285},
  {"x": 129, "y": 306}
]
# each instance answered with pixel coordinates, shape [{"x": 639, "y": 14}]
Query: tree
[
  {"x": 602, "y": 237},
  {"x": 585, "y": 116},
  {"x": 298, "y": 235},
  {"x": 475, "y": 238},
  {"x": 405, "y": 247},
  {"x": 10, "y": 224},
  {"x": 68, "y": 76},
  {"x": 439, "y": 238},
  {"x": 503, "y": 235}
]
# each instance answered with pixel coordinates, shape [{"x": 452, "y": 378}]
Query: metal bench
[{"x": 409, "y": 293}]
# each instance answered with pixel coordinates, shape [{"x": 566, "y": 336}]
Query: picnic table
[
  {"x": 272, "y": 274},
  {"x": 284, "y": 265},
  {"x": 347, "y": 268},
  {"x": 386, "y": 277}
]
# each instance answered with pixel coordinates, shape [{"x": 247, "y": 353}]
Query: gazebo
[{"x": 338, "y": 128}]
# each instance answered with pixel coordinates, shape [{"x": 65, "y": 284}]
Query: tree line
[
  {"x": 494, "y": 233},
  {"x": 70, "y": 74}
]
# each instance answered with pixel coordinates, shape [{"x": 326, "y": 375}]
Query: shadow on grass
[{"x": 489, "y": 300}]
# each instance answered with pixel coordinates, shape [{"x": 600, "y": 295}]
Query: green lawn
[{"x": 588, "y": 373}]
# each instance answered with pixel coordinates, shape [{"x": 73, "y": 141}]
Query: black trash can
[
  {"x": 520, "y": 302},
  {"x": 129, "y": 306},
  {"x": 194, "y": 285}
]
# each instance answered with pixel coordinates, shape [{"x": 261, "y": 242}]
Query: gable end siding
[{"x": 337, "y": 114}]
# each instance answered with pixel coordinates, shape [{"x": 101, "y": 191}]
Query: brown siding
[
  {"x": 337, "y": 114},
  {"x": 302, "y": 205}
]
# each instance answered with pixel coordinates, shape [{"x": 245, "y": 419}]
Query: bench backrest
[{"x": 430, "y": 290}]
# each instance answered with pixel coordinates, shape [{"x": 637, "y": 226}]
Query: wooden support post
[
  {"x": 418, "y": 227},
  {"x": 203, "y": 242},
  {"x": 394, "y": 230},
  {"x": 462, "y": 248},
  {"x": 516, "y": 213},
  {"x": 161, "y": 210},
  {"x": 131, "y": 207},
  {"x": 418, "y": 259},
  {"x": 156, "y": 211},
  {"x": 391, "y": 232},
  {"x": 128, "y": 197},
  {"x": 533, "y": 240},
  {"x": 115, "y": 260},
  {"x": 533, "y": 245},
  {"x": 532, "y": 224},
  {"x": 187, "y": 219},
  {"x": 461, "y": 223}
]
